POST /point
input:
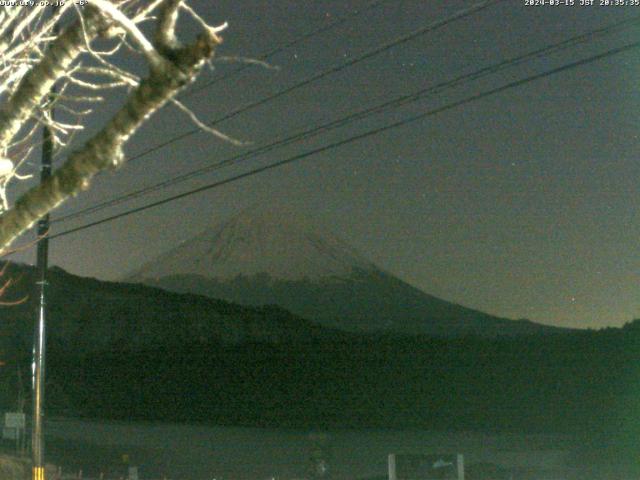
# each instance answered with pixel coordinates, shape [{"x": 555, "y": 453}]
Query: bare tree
[{"x": 34, "y": 56}]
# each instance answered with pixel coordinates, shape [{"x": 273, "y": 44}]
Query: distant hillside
[
  {"x": 266, "y": 256},
  {"x": 87, "y": 315},
  {"x": 361, "y": 302}
]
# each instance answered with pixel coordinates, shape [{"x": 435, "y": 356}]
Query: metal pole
[
  {"x": 39, "y": 344},
  {"x": 37, "y": 437}
]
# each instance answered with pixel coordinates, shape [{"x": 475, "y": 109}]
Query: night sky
[{"x": 523, "y": 204}]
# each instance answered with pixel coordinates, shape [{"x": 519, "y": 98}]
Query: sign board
[
  {"x": 14, "y": 429},
  {"x": 133, "y": 473},
  {"x": 446, "y": 466},
  {"x": 14, "y": 420}
]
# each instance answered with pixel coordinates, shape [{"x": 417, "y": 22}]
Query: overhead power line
[
  {"x": 459, "y": 15},
  {"x": 398, "y": 101},
  {"x": 369, "y": 133}
]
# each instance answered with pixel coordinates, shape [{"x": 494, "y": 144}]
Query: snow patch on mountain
[{"x": 277, "y": 242}]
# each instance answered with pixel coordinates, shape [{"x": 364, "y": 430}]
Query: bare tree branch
[
  {"x": 179, "y": 66},
  {"x": 37, "y": 83}
]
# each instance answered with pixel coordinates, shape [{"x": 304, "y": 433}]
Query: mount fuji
[{"x": 271, "y": 256}]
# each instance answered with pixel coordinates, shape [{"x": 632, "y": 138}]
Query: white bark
[
  {"x": 171, "y": 68},
  {"x": 37, "y": 83}
]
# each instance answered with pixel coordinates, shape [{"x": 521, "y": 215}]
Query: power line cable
[
  {"x": 361, "y": 136},
  {"x": 459, "y": 15},
  {"x": 398, "y": 101}
]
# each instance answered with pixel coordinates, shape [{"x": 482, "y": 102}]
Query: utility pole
[
  {"x": 39, "y": 344},
  {"x": 39, "y": 340}
]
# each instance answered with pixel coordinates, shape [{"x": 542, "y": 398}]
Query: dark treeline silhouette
[{"x": 577, "y": 383}]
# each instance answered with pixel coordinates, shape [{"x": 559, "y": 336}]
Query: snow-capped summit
[{"x": 272, "y": 241}]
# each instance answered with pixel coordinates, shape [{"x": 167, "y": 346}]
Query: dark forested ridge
[{"x": 132, "y": 352}]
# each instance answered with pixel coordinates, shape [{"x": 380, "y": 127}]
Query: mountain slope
[
  {"x": 271, "y": 257},
  {"x": 92, "y": 316}
]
